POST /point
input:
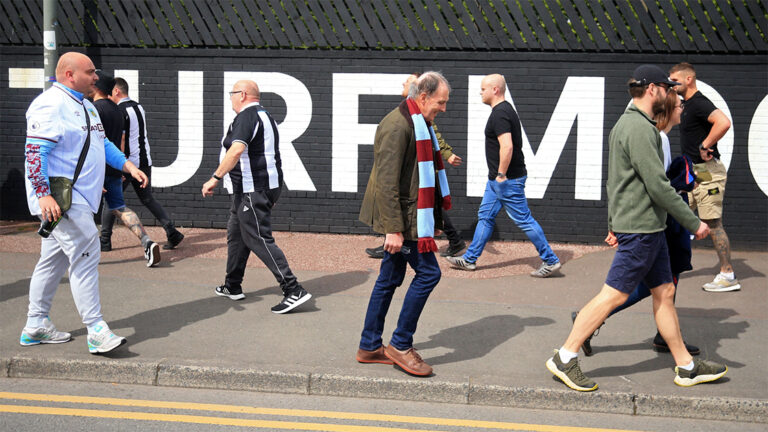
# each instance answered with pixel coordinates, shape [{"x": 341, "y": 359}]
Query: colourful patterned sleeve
[
  {"x": 36, "y": 154},
  {"x": 42, "y": 136}
]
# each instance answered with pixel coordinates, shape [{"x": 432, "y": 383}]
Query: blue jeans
[
  {"x": 114, "y": 194},
  {"x": 391, "y": 275},
  {"x": 511, "y": 195}
]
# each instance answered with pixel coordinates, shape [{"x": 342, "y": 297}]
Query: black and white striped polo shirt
[{"x": 260, "y": 166}]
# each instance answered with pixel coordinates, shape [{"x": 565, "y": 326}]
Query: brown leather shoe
[
  {"x": 409, "y": 360},
  {"x": 375, "y": 356}
]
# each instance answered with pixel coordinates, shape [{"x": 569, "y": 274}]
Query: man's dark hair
[
  {"x": 122, "y": 85},
  {"x": 683, "y": 67},
  {"x": 636, "y": 91}
]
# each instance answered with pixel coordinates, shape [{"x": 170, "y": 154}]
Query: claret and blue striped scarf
[{"x": 428, "y": 156}]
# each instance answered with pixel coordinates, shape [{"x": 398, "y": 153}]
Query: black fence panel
[{"x": 631, "y": 26}]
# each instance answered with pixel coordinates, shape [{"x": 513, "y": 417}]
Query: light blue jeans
[{"x": 511, "y": 195}]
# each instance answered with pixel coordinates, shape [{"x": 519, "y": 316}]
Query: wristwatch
[
  {"x": 501, "y": 174},
  {"x": 215, "y": 176}
]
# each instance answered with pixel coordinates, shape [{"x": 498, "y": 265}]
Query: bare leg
[
  {"x": 721, "y": 243},
  {"x": 131, "y": 220},
  {"x": 592, "y": 315},
  {"x": 666, "y": 320}
]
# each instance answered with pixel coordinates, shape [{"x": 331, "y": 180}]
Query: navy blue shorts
[{"x": 639, "y": 258}]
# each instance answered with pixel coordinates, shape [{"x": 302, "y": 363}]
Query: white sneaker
[
  {"x": 43, "y": 335},
  {"x": 103, "y": 341},
  {"x": 722, "y": 284},
  {"x": 546, "y": 270}
]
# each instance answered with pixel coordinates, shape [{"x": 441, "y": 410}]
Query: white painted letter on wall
[
  {"x": 190, "y": 153},
  {"x": 582, "y": 98},
  {"x": 298, "y": 115},
  {"x": 347, "y": 132},
  {"x": 758, "y": 146}
]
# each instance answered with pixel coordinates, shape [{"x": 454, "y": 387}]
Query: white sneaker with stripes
[
  {"x": 291, "y": 301},
  {"x": 546, "y": 270}
]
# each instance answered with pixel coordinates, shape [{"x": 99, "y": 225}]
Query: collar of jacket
[{"x": 403, "y": 107}]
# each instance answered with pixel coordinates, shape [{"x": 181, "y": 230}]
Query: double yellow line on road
[{"x": 271, "y": 424}]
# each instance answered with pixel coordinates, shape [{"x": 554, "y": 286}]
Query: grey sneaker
[
  {"x": 461, "y": 263},
  {"x": 570, "y": 373},
  {"x": 703, "y": 371},
  {"x": 722, "y": 284},
  {"x": 546, "y": 270},
  {"x": 43, "y": 335}
]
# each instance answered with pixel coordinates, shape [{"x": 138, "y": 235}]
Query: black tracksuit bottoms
[{"x": 249, "y": 229}]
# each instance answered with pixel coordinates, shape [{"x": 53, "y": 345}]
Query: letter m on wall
[{"x": 582, "y": 98}]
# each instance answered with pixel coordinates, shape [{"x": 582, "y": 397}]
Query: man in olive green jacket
[
  {"x": 390, "y": 207},
  {"x": 639, "y": 197}
]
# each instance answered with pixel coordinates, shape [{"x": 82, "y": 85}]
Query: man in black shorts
[{"x": 639, "y": 197}]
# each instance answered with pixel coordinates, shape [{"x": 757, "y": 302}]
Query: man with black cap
[
  {"x": 639, "y": 197},
  {"x": 112, "y": 119}
]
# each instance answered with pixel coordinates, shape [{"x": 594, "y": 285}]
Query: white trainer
[
  {"x": 43, "y": 335},
  {"x": 722, "y": 284},
  {"x": 103, "y": 341}
]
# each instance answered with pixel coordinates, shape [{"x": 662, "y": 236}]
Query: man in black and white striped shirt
[
  {"x": 136, "y": 148},
  {"x": 250, "y": 169}
]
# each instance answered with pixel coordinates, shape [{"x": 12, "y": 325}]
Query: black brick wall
[{"x": 535, "y": 82}]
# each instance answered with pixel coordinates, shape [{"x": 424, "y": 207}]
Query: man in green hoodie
[{"x": 639, "y": 197}]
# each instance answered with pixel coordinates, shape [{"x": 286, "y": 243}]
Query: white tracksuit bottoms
[{"x": 73, "y": 244}]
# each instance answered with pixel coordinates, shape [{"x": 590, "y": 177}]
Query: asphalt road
[{"x": 34, "y": 405}]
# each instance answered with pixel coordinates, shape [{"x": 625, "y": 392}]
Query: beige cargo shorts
[{"x": 707, "y": 197}]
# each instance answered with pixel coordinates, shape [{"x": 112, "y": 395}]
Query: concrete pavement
[{"x": 487, "y": 339}]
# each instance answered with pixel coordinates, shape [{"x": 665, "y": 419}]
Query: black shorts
[{"x": 639, "y": 258}]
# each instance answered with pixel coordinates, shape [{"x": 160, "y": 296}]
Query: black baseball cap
[
  {"x": 650, "y": 74},
  {"x": 105, "y": 83}
]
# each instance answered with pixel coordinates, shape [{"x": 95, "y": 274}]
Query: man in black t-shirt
[
  {"x": 506, "y": 182},
  {"x": 702, "y": 125},
  {"x": 251, "y": 169},
  {"x": 112, "y": 120},
  {"x": 136, "y": 149}
]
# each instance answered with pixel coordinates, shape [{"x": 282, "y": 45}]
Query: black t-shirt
[
  {"x": 257, "y": 129},
  {"x": 504, "y": 119},
  {"x": 694, "y": 126},
  {"x": 112, "y": 120}
]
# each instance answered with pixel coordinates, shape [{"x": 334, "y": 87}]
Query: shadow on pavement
[
  {"x": 161, "y": 322},
  {"x": 14, "y": 289},
  {"x": 707, "y": 339},
  {"x": 476, "y": 339},
  {"x": 741, "y": 269}
]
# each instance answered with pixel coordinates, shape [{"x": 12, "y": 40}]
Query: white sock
[
  {"x": 97, "y": 327},
  {"x": 688, "y": 367},
  {"x": 565, "y": 355},
  {"x": 730, "y": 276},
  {"x": 35, "y": 322}
]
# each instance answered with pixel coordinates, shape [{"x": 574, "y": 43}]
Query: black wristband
[{"x": 216, "y": 177}]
